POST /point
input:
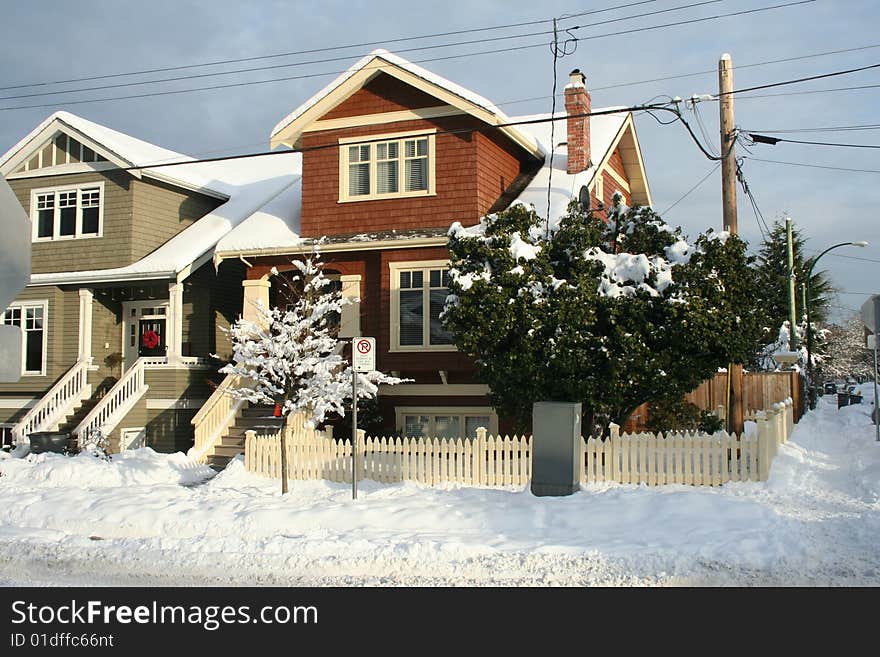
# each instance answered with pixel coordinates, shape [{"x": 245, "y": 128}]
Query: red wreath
[{"x": 150, "y": 339}]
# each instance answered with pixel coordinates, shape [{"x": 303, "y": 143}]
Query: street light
[{"x": 860, "y": 243}]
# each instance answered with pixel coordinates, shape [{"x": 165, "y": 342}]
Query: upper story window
[
  {"x": 30, "y": 317},
  {"x": 400, "y": 166},
  {"x": 67, "y": 212},
  {"x": 418, "y": 294}
]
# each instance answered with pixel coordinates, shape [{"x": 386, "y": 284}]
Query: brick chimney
[{"x": 577, "y": 101}]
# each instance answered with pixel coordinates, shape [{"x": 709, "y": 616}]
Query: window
[
  {"x": 6, "y": 434},
  {"x": 418, "y": 294},
  {"x": 31, "y": 319},
  {"x": 445, "y": 422},
  {"x": 398, "y": 167},
  {"x": 68, "y": 212}
]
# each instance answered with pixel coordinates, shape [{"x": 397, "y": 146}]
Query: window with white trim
[
  {"x": 31, "y": 319},
  {"x": 398, "y": 167},
  {"x": 67, "y": 212},
  {"x": 445, "y": 422},
  {"x": 6, "y": 434},
  {"x": 418, "y": 295}
]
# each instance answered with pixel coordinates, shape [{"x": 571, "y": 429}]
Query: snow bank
[{"x": 139, "y": 467}]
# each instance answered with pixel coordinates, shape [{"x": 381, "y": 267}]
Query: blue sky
[{"x": 43, "y": 41}]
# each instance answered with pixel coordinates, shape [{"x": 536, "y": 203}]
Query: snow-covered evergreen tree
[
  {"x": 293, "y": 357},
  {"x": 610, "y": 313}
]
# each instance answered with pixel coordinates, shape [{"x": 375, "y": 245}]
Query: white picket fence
[{"x": 694, "y": 459}]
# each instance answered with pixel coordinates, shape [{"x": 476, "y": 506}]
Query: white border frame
[
  {"x": 32, "y": 303},
  {"x": 460, "y": 411},
  {"x": 394, "y": 292},
  {"x": 78, "y": 235},
  {"x": 371, "y": 141}
]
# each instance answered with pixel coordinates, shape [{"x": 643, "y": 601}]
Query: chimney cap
[{"x": 576, "y": 78}]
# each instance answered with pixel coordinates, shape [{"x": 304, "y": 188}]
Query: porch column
[
  {"x": 350, "y": 322},
  {"x": 256, "y": 292},
  {"x": 175, "y": 322},
  {"x": 85, "y": 325}
]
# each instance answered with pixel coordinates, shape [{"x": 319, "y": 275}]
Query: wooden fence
[{"x": 677, "y": 458}]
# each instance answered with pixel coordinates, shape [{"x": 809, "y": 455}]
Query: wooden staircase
[
  {"x": 256, "y": 418},
  {"x": 72, "y": 421}
]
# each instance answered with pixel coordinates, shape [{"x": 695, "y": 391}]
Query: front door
[
  {"x": 151, "y": 337},
  {"x": 143, "y": 330}
]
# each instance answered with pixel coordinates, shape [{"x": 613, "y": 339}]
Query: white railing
[
  {"x": 116, "y": 403},
  {"x": 56, "y": 404},
  {"x": 183, "y": 362},
  {"x": 216, "y": 416}
]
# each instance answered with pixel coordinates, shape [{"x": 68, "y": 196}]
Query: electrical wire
[
  {"x": 808, "y": 78},
  {"x": 472, "y": 54},
  {"x": 364, "y": 44},
  {"x": 816, "y": 143},
  {"x": 692, "y": 189},
  {"x": 814, "y": 166},
  {"x": 338, "y": 59}
]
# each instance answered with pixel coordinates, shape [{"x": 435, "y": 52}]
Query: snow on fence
[{"x": 690, "y": 458}]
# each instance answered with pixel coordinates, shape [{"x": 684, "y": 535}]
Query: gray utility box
[
  {"x": 556, "y": 448},
  {"x": 48, "y": 441}
]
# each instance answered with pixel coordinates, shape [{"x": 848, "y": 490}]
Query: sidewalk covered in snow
[{"x": 151, "y": 519}]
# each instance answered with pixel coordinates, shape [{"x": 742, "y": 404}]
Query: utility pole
[
  {"x": 728, "y": 201},
  {"x": 792, "y": 313}
]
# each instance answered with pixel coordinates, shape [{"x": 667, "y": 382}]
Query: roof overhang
[
  {"x": 29, "y": 147},
  {"x": 353, "y": 245},
  {"x": 290, "y": 134},
  {"x": 633, "y": 164}
]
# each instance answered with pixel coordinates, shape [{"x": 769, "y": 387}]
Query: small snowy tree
[
  {"x": 293, "y": 358},
  {"x": 610, "y": 313}
]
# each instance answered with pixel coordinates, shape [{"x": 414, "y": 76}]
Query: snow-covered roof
[
  {"x": 251, "y": 184},
  {"x": 604, "y": 130},
  {"x": 289, "y": 128},
  {"x": 276, "y": 226}
]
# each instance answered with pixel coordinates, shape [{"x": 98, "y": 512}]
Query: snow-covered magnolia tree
[
  {"x": 607, "y": 313},
  {"x": 293, "y": 357}
]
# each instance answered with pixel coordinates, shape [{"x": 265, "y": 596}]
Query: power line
[
  {"x": 342, "y": 58},
  {"x": 773, "y": 140},
  {"x": 370, "y": 140},
  {"x": 364, "y": 44},
  {"x": 813, "y": 166},
  {"x": 489, "y": 52},
  {"x": 838, "y": 128},
  {"x": 798, "y": 80},
  {"x": 688, "y": 192},
  {"x": 812, "y": 91}
]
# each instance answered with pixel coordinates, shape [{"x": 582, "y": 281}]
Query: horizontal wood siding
[
  {"x": 106, "y": 330},
  {"x": 62, "y": 319},
  {"x": 113, "y": 249},
  {"x": 384, "y": 93},
  {"x": 161, "y": 211},
  {"x": 227, "y": 299}
]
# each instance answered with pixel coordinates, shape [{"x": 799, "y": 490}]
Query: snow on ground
[{"x": 151, "y": 519}]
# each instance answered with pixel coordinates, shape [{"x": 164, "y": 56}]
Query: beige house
[{"x": 124, "y": 312}]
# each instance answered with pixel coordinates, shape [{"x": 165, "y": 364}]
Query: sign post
[
  {"x": 871, "y": 317},
  {"x": 363, "y": 359}
]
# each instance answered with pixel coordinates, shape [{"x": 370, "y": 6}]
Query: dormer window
[
  {"x": 69, "y": 212},
  {"x": 386, "y": 166}
]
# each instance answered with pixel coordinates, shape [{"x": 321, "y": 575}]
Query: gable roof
[
  {"x": 289, "y": 130},
  {"x": 120, "y": 149},
  {"x": 275, "y": 228},
  {"x": 249, "y": 184}
]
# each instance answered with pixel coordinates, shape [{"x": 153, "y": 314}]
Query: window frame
[
  {"x": 462, "y": 412},
  {"x": 23, "y": 306},
  {"x": 372, "y": 141},
  {"x": 394, "y": 339},
  {"x": 79, "y": 188}
]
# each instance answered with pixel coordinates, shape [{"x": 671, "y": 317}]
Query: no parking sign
[{"x": 364, "y": 354}]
